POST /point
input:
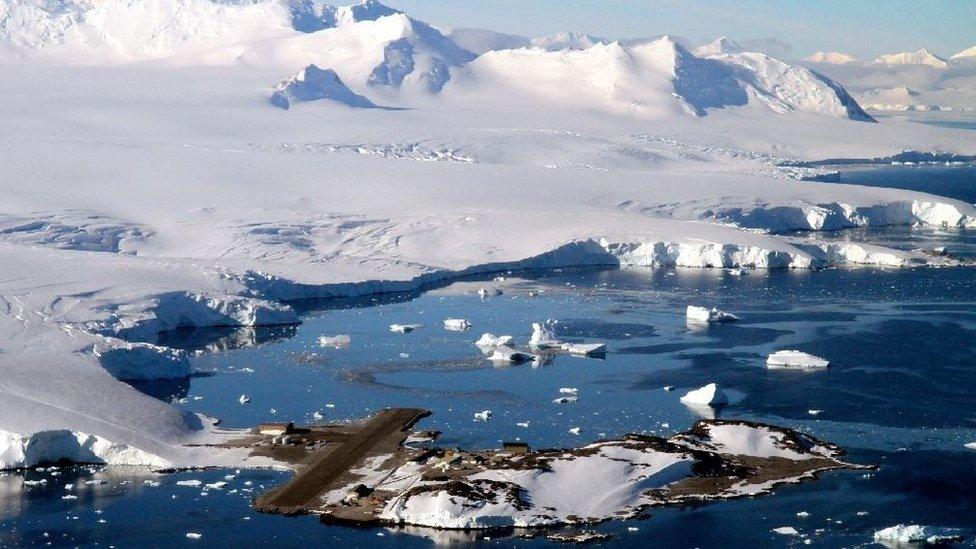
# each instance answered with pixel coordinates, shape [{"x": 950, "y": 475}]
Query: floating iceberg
[
  {"x": 403, "y": 328},
  {"x": 483, "y": 415},
  {"x": 456, "y": 324},
  {"x": 913, "y": 533},
  {"x": 485, "y": 293},
  {"x": 703, "y": 314},
  {"x": 566, "y": 400},
  {"x": 584, "y": 349},
  {"x": 544, "y": 335},
  {"x": 508, "y": 355},
  {"x": 337, "y": 342},
  {"x": 709, "y": 395},
  {"x": 796, "y": 360},
  {"x": 491, "y": 340}
]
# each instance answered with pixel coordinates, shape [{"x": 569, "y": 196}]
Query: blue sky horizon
[{"x": 865, "y": 28}]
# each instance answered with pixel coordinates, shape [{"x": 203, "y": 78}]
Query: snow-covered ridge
[
  {"x": 831, "y": 57},
  {"x": 920, "y": 57},
  {"x": 567, "y": 41},
  {"x": 658, "y": 78},
  {"x": 965, "y": 55},
  {"x": 720, "y": 46}
]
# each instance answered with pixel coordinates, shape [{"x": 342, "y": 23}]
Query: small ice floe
[
  {"x": 802, "y": 514},
  {"x": 585, "y": 349},
  {"x": 737, "y": 271},
  {"x": 191, "y": 483},
  {"x": 491, "y": 340},
  {"x": 815, "y": 412},
  {"x": 581, "y": 538},
  {"x": 508, "y": 355},
  {"x": 668, "y": 388},
  {"x": 523, "y": 424},
  {"x": 566, "y": 400},
  {"x": 403, "y": 328},
  {"x": 971, "y": 445},
  {"x": 317, "y": 416},
  {"x": 485, "y": 293},
  {"x": 243, "y": 399},
  {"x": 219, "y": 485},
  {"x": 786, "y": 531},
  {"x": 336, "y": 342},
  {"x": 709, "y": 395},
  {"x": 797, "y": 360},
  {"x": 96, "y": 482},
  {"x": 483, "y": 415},
  {"x": 69, "y": 496},
  {"x": 456, "y": 324},
  {"x": 574, "y": 431},
  {"x": 544, "y": 337},
  {"x": 193, "y": 535},
  {"x": 862, "y": 513},
  {"x": 704, "y": 314},
  {"x": 568, "y": 390},
  {"x": 913, "y": 533}
]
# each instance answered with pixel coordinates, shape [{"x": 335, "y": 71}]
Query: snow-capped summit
[
  {"x": 421, "y": 55},
  {"x": 920, "y": 57},
  {"x": 967, "y": 54},
  {"x": 567, "y": 41},
  {"x": 831, "y": 58},
  {"x": 367, "y": 10},
  {"x": 720, "y": 46},
  {"x": 314, "y": 84}
]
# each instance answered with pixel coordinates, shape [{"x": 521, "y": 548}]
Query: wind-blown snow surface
[{"x": 148, "y": 183}]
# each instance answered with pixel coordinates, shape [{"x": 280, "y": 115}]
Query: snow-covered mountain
[
  {"x": 479, "y": 41},
  {"x": 831, "y": 58},
  {"x": 968, "y": 54},
  {"x": 314, "y": 84},
  {"x": 920, "y": 57},
  {"x": 375, "y": 53},
  {"x": 719, "y": 46},
  {"x": 658, "y": 78},
  {"x": 567, "y": 41}
]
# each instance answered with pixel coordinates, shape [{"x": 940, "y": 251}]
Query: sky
[{"x": 864, "y": 28}]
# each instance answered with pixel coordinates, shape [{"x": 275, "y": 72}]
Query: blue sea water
[{"x": 899, "y": 394}]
